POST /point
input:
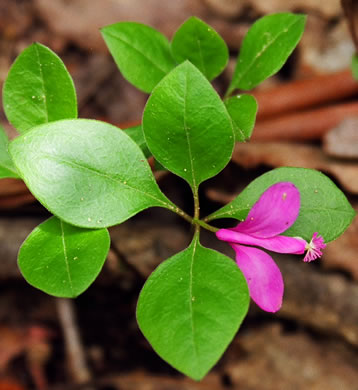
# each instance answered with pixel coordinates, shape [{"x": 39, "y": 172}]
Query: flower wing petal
[
  {"x": 279, "y": 244},
  {"x": 275, "y": 211},
  {"x": 262, "y": 275}
]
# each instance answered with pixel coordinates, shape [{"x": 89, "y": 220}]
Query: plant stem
[
  {"x": 194, "y": 220},
  {"x": 196, "y": 209},
  {"x": 206, "y": 219},
  {"x": 182, "y": 214},
  {"x": 204, "y": 225},
  {"x": 77, "y": 364}
]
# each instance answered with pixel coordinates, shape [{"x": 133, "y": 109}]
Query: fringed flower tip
[{"x": 314, "y": 248}]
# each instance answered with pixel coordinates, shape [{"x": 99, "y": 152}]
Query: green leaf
[
  {"x": 242, "y": 109},
  {"x": 199, "y": 43},
  {"x": 86, "y": 172},
  {"x": 38, "y": 89},
  {"x": 136, "y": 133},
  {"x": 61, "y": 259},
  {"x": 191, "y": 307},
  {"x": 354, "y": 66},
  {"x": 7, "y": 167},
  {"x": 187, "y": 127},
  {"x": 265, "y": 48},
  {"x": 141, "y": 53},
  {"x": 324, "y": 207}
]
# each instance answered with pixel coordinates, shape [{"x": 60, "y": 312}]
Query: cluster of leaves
[{"x": 92, "y": 175}]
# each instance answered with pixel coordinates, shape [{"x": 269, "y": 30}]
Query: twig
[
  {"x": 76, "y": 359},
  {"x": 305, "y": 125},
  {"x": 301, "y": 94}
]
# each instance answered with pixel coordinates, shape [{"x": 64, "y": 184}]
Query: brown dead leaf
[
  {"x": 13, "y": 343},
  {"x": 9, "y": 384},
  {"x": 12, "y": 187},
  {"x": 268, "y": 358},
  {"x": 274, "y": 154},
  {"x": 14, "y": 193}
]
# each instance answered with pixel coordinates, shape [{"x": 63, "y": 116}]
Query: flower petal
[
  {"x": 262, "y": 275},
  {"x": 275, "y": 211},
  {"x": 279, "y": 244}
]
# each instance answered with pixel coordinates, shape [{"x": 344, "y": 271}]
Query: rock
[
  {"x": 342, "y": 141},
  {"x": 324, "y": 49}
]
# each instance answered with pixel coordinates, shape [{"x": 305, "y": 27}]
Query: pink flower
[{"x": 275, "y": 211}]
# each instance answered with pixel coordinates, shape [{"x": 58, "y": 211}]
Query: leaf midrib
[
  {"x": 66, "y": 258},
  {"x": 195, "y": 348},
  {"x": 42, "y": 82},
  {"x": 187, "y": 134}
]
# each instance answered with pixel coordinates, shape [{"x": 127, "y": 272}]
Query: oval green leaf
[
  {"x": 63, "y": 260},
  {"x": 38, "y": 89},
  {"x": 242, "y": 109},
  {"x": 265, "y": 48},
  {"x": 187, "y": 127},
  {"x": 88, "y": 173},
  {"x": 141, "y": 53},
  {"x": 199, "y": 43},
  {"x": 324, "y": 207},
  {"x": 7, "y": 167},
  {"x": 191, "y": 307}
]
